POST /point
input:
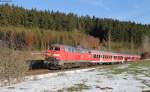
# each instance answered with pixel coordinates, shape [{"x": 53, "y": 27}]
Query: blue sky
[{"x": 133, "y": 10}]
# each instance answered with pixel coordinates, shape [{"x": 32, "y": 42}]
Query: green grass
[
  {"x": 75, "y": 88},
  {"x": 141, "y": 67}
]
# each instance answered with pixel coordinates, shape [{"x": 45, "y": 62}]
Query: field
[{"x": 129, "y": 77}]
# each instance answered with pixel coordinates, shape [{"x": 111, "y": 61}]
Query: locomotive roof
[
  {"x": 68, "y": 46},
  {"x": 62, "y": 45}
]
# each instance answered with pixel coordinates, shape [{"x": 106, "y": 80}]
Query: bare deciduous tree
[{"x": 146, "y": 44}]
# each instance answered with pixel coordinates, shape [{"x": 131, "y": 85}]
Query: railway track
[{"x": 45, "y": 71}]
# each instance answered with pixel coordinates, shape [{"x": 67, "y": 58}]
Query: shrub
[{"x": 12, "y": 66}]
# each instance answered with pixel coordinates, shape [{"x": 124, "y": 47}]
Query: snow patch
[{"x": 98, "y": 80}]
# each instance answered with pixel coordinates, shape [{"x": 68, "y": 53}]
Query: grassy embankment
[{"x": 139, "y": 67}]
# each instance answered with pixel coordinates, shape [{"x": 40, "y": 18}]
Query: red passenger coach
[
  {"x": 110, "y": 57},
  {"x": 59, "y": 55}
]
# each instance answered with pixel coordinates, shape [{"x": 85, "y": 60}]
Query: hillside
[{"x": 35, "y": 29}]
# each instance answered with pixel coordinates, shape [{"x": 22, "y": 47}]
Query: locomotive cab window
[
  {"x": 54, "y": 48},
  {"x": 57, "y": 48},
  {"x": 50, "y": 48}
]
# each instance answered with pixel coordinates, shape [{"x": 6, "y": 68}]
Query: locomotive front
[{"x": 53, "y": 56}]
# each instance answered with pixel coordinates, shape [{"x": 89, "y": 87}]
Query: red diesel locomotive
[{"x": 61, "y": 55}]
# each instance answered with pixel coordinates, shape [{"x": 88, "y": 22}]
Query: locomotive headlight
[
  {"x": 56, "y": 54},
  {"x": 49, "y": 54}
]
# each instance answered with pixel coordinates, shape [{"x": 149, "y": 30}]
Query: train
[{"x": 59, "y": 55}]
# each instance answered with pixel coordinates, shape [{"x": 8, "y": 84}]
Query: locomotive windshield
[{"x": 54, "y": 48}]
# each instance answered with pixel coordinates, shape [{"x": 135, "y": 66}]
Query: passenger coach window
[{"x": 95, "y": 56}]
